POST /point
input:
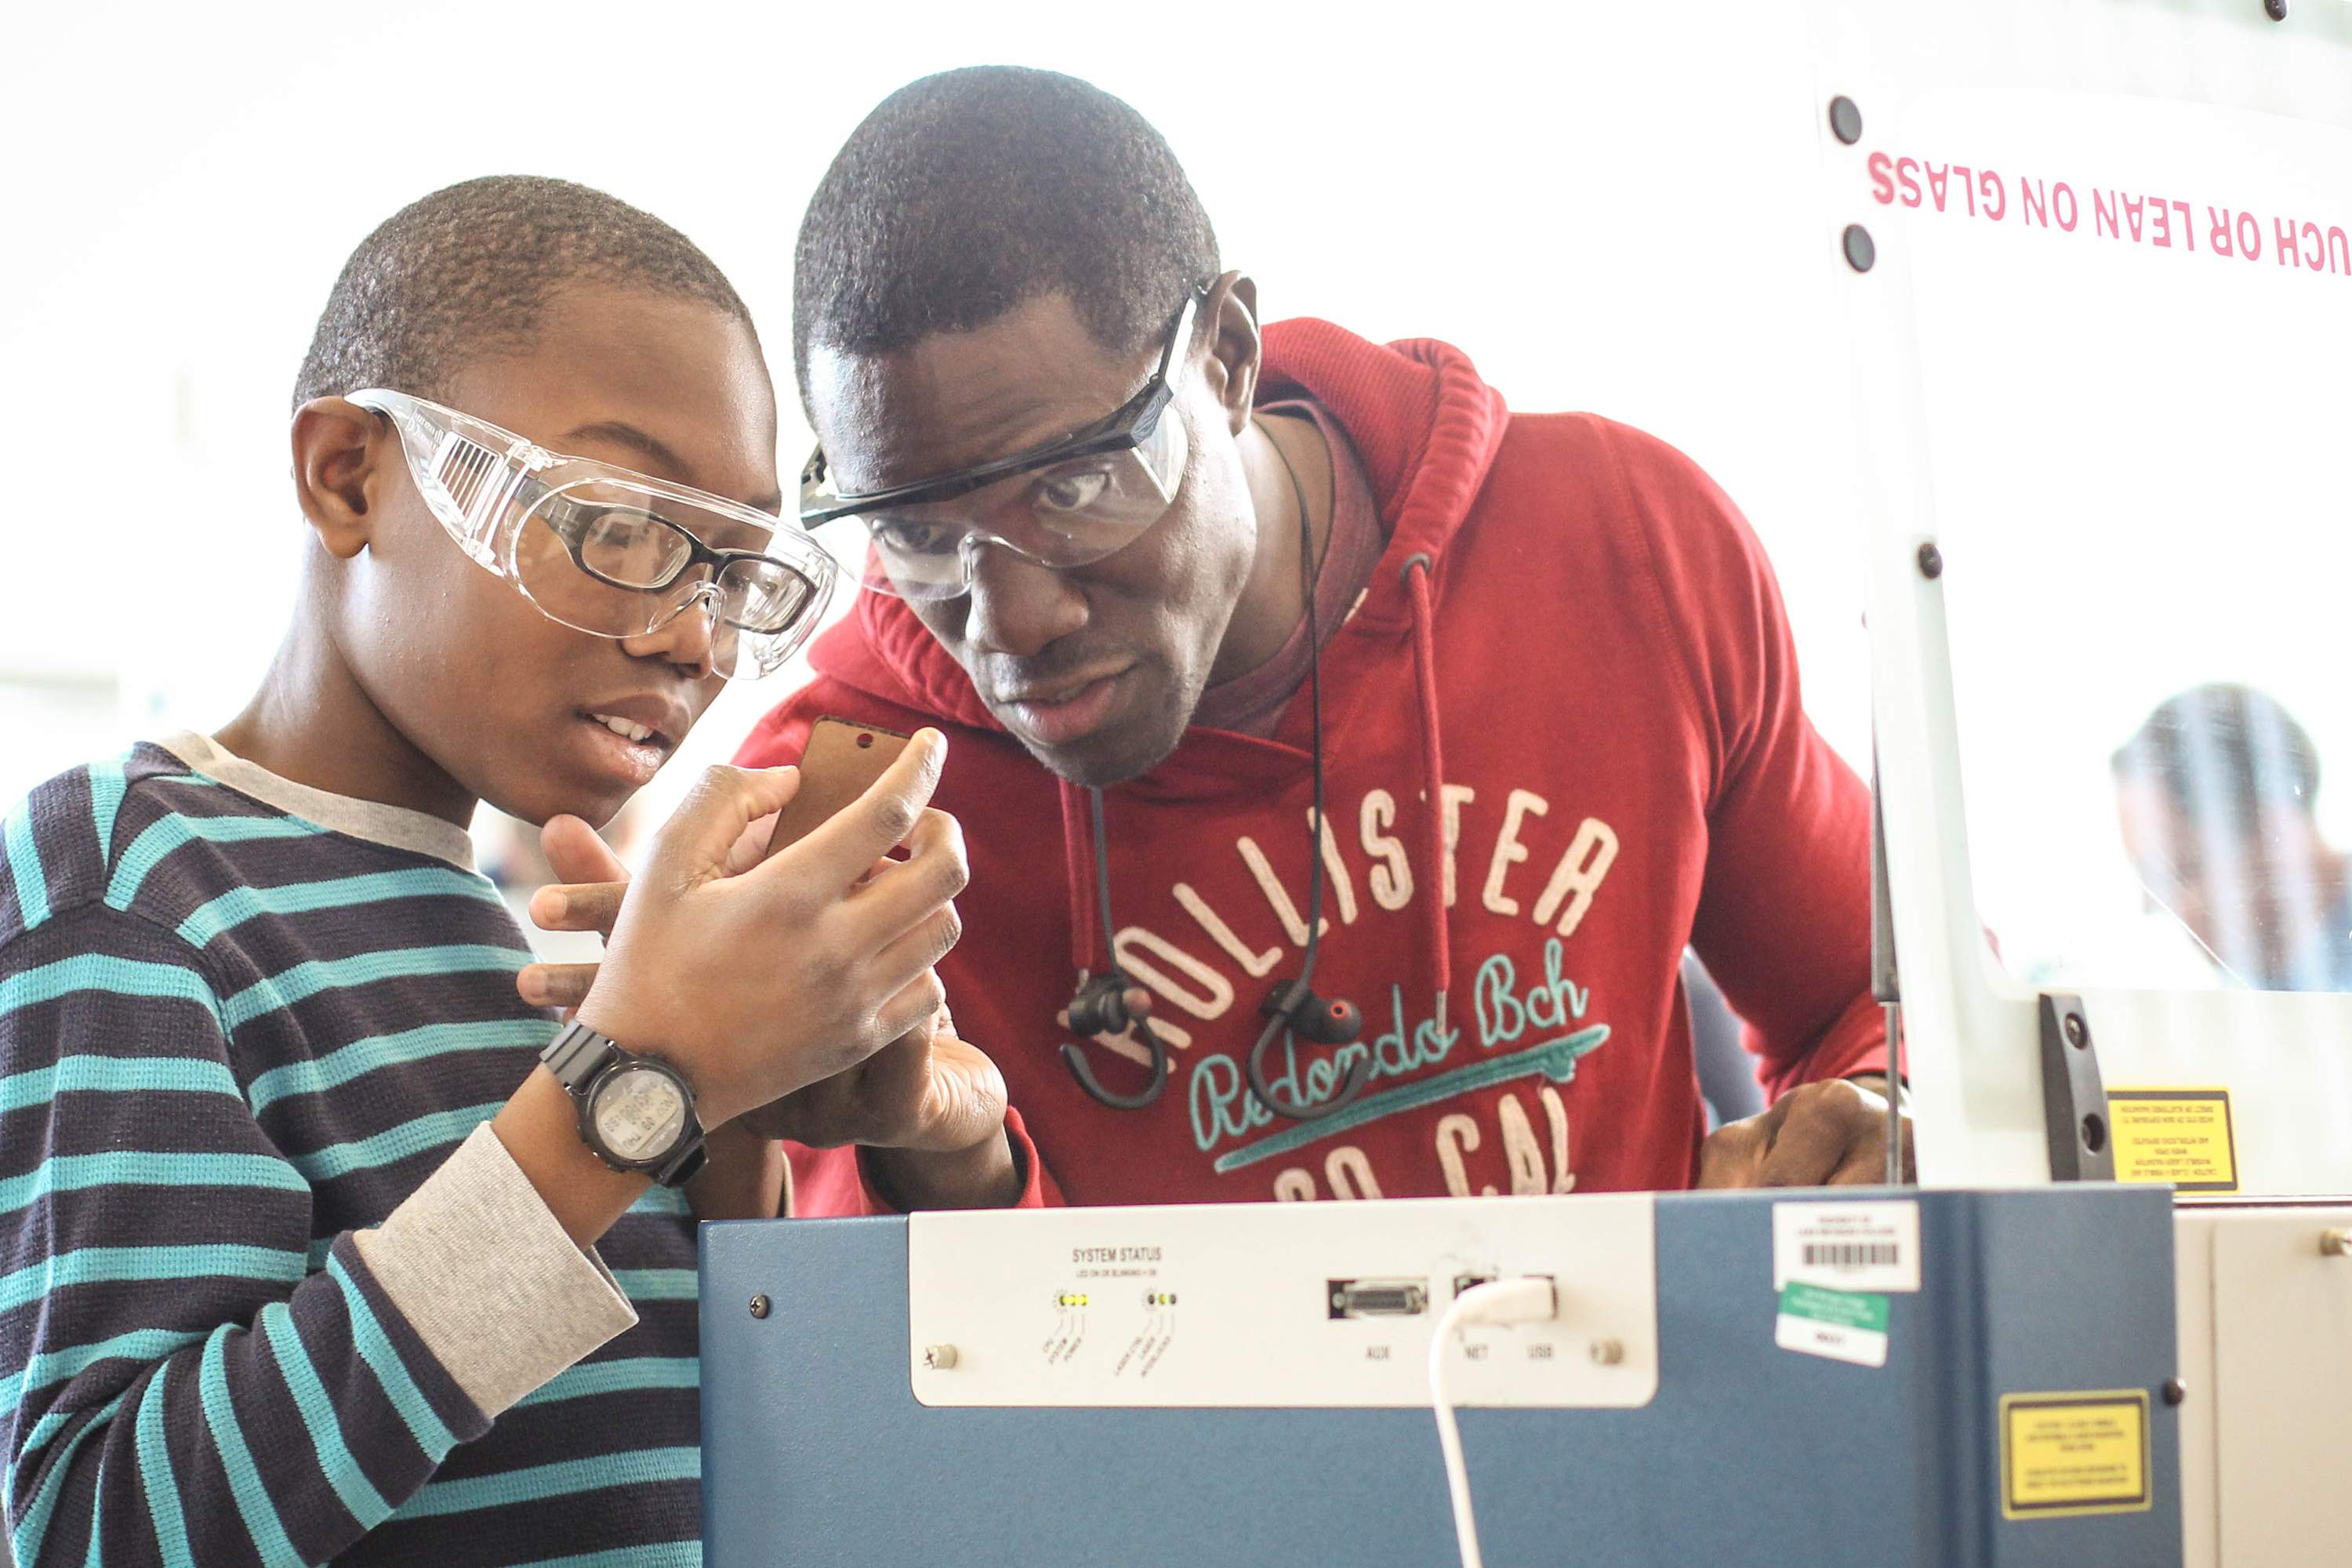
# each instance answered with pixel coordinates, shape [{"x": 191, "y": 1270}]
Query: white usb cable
[{"x": 1527, "y": 1299}]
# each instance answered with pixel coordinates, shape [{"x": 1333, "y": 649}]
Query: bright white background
[
  {"x": 1610, "y": 207},
  {"x": 1607, "y": 205}
]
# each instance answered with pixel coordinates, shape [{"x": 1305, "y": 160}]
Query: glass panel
[{"x": 2135, "y": 329}]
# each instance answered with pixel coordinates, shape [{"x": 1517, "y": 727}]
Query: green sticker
[{"x": 1842, "y": 1309}]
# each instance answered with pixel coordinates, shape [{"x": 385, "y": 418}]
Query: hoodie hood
[{"x": 1425, "y": 425}]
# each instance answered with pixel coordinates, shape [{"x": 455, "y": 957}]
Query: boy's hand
[
  {"x": 763, "y": 981},
  {"x": 588, "y": 898},
  {"x": 927, "y": 1091}
]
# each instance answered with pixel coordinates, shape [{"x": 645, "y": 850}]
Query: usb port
[{"x": 1379, "y": 1298}]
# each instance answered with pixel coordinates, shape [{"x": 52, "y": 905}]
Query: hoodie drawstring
[
  {"x": 1083, "y": 868},
  {"x": 1433, "y": 769},
  {"x": 1078, "y": 866}
]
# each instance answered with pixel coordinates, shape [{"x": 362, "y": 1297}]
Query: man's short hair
[
  {"x": 2224, "y": 753},
  {"x": 972, "y": 191},
  {"x": 465, "y": 273}
]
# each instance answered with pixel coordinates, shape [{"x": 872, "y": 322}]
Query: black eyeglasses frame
[
  {"x": 1124, "y": 429},
  {"x": 572, "y": 526}
]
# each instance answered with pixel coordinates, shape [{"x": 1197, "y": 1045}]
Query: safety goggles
[
  {"x": 1066, "y": 504},
  {"x": 607, "y": 550}
]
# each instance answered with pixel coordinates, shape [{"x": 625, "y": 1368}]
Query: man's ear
[
  {"x": 338, "y": 447},
  {"x": 1235, "y": 350}
]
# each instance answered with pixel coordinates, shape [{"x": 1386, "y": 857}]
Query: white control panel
[{"x": 1271, "y": 1305}]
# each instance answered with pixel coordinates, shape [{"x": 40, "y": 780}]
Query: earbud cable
[{"x": 1310, "y": 571}]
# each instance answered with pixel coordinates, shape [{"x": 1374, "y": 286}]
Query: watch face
[{"x": 639, "y": 1112}]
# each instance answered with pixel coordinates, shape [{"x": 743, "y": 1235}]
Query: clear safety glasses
[
  {"x": 1069, "y": 503},
  {"x": 607, "y": 550}
]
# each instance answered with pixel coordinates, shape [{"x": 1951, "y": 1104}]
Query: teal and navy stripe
[{"x": 229, "y": 1038}]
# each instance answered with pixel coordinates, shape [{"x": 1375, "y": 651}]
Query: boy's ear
[
  {"x": 336, "y": 447},
  {"x": 1235, "y": 350}
]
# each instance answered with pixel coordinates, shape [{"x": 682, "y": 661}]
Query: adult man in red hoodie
[{"x": 1543, "y": 666}]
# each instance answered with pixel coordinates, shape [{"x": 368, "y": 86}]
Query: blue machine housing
[{"x": 815, "y": 1450}]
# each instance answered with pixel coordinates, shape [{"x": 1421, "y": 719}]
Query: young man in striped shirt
[{"x": 306, "y": 1252}]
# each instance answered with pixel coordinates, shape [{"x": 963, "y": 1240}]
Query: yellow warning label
[
  {"x": 2073, "y": 1453},
  {"x": 2178, "y": 1135}
]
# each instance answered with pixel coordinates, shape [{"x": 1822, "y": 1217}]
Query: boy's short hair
[
  {"x": 466, "y": 271},
  {"x": 972, "y": 191}
]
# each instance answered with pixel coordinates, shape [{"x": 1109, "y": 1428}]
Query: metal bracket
[
  {"x": 2073, "y": 1096},
  {"x": 1886, "y": 978}
]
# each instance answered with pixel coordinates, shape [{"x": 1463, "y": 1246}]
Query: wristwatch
[{"x": 636, "y": 1113}]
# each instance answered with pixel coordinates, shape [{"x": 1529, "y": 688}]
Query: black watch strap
[
  {"x": 686, "y": 1163},
  {"x": 577, "y": 1057},
  {"x": 576, "y": 1054}
]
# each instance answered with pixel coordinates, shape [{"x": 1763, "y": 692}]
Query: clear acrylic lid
[{"x": 2103, "y": 362}]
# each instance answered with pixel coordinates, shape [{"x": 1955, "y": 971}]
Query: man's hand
[
  {"x": 927, "y": 1091},
  {"x": 1816, "y": 1135},
  {"x": 928, "y": 1110}
]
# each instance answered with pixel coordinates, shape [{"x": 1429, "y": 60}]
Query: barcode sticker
[
  {"x": 1851, "y": 1254},
  {"x": 1847, "y": 1246}
]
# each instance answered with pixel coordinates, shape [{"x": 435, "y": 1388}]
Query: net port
[
  {"x": 1465, "y": 1283},
  {"x": 1379, "y": 1298}
]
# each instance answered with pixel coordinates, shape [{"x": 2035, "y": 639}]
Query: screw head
[
  {"x": 2095, "y": 1132},
  {"x": 759, "y": 1306},
  {"x": 2175, "y": 1391},
  {"x": 1931, "y": 560},
  {"x": 2077, "y": 1035},
  {"x": 1860, "y": 250},
  {"x": 1845, "y": 120},
  {"x": 2275, "y": 9},
  {"x": 2336, "y": 1243},
  {"x": 939, "y": 1358},
  {"x": 1608, "y": 1352}
]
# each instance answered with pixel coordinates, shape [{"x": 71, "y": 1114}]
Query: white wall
[{"x": 1606, "y": 206}]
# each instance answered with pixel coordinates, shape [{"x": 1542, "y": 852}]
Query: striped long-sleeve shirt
[{"x": 271, "y": 1290}]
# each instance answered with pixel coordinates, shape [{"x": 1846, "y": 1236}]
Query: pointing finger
[
  {"x": 555, "y": 985},
  {"x": 578, "y": 906}
]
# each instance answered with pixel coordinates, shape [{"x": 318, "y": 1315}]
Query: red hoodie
[{"x": 1598, "y": 669}]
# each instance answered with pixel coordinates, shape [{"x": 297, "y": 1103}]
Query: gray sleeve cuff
[{"x": 490, "y": 1281}]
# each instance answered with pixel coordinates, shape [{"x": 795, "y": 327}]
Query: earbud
[
  {"x": 1100, "y": 1008},
  {"x": 1325, "y": 1022},
  {"x": 1332, "y": 1023}
]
